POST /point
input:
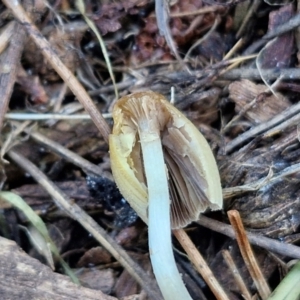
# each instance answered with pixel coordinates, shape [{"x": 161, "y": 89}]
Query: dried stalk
[
  {"x": 200, "y": 264},
  {"x": 236, "y": 274},
  {"x": 255, "y": 239},
  {"x": 248, "y": 255}
]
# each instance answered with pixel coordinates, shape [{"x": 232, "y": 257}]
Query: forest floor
[{"x": 231, "y": 67}]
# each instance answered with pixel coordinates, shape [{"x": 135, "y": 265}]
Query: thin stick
[
  {"x": 234, "y": 49},
  {"x": 202, "y": 39},
  {"x": 6, "y": 34},
  {"x": 255, "y": 239},
  {"x": 63, "y": 202},
  {"x": 200, "y": 264},
  {"x": 203, "y": 10},
  {"x": 59, "y": 67},
  {"x": 251, "y": 11},
  {"x": 236, "y": 274},
  {"x": 253, "y": 74},
  {"x": 248, "y": 255},
  {"x": 66, "y": 153},
  {"x": 162, "y": 19},
  {"x": 10, "y": 63},
  {"x": 49, "y": 116},
  {"x": 285, "y": 115},
  {"x": 281, "y": 127}
]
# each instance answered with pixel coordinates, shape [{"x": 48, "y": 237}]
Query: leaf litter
[{"x": 249, "y": 118}]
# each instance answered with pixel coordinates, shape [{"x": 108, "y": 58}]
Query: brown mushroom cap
[{"x": 194, "y": 181}]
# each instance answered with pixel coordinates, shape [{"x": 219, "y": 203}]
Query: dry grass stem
[
  {"x": 200, "y": 264},
  {"x": 251, "y": 11},
  {"x": 234, "y": 49},
  {"x": 236, "y": 274},
  {"x": 248, "y": 255},
  {"x": 44, "y": 117},
  {"x": 65, "y": 153},
  {"x": 162, "y": 18},
  {"x": 285, "y": 115},
  {"x": 253, "y": 74},
  {"x": 10, "y": 139},
  {"x": 81, "y": 7},
  {"x": 202, "y": 39},
  {"x": 11, "y": 56},
  {"x": 255, "y": 239},
  {"x": 6, "y": 35},
  {"x": 204, "y": 10},
  {"x": 281, "y": 127}
]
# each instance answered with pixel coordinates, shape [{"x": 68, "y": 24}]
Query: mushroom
[{"x": 165, "y": 169}]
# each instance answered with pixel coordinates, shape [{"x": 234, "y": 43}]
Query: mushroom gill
[{"x": 193, "y": 177}]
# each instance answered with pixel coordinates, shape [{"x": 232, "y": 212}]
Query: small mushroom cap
[{"x": 194, "y": 181}]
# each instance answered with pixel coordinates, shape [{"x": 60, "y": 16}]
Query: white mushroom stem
[
  {"x": 160, "y": 243},
  {"x": 140, "y": 121}
]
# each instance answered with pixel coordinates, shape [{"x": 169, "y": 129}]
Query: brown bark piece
[
  {"x": 278, "y": 54},
  {"x": 23, "y": 277},
  {"x": 95, "y": 279},
  {"x": 95, "y": 256},
  {"x": 265, "y": 106}
]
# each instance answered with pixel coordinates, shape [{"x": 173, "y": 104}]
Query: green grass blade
[
  {"x": 81, "y": 7},
  {"x": 289, "y": 287},
  {"x": 39, "y": 224}
]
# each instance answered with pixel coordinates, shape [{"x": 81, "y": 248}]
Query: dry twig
[
  {"x": 248, "y": 255},
  {"x": 255, "y": 239},
  {"x": 11, "y": 59},
  {"x": 253, "y": 132},
  {"x": 236, "y": 274},
  {"x": 200, "y": 264}
]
